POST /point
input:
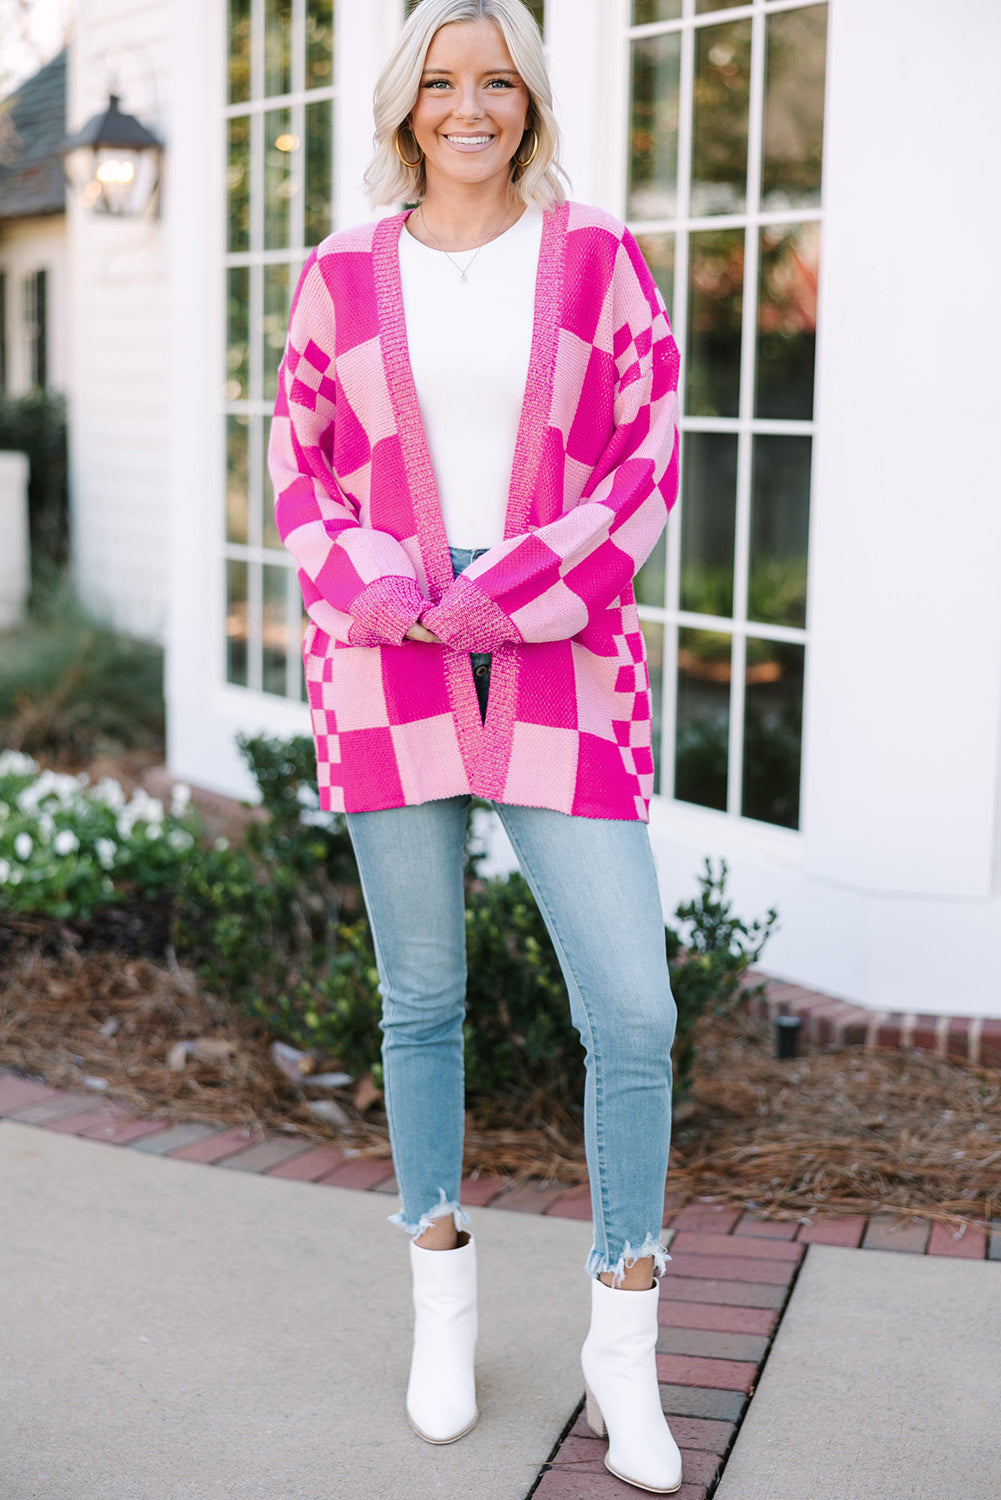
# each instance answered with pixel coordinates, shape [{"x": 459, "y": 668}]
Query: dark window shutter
[{"x": 39, "y": 354}]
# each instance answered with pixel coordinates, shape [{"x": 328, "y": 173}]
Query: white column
[
  {"x": 15, "y": 553},
  {"x": 581, "y": 38},
  {"x": 366, "y": 31},
  {"x": 904, "y": 703}
]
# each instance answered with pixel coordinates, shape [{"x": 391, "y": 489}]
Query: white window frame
[{"x": 746, "y": 426}]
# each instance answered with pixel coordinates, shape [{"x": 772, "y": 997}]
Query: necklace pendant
[{"x": 463, "y": 278}]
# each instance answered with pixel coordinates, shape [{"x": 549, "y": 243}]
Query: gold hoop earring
[
  {"x": 535, "y": 152},
  {"x": 396, "y": 148}
]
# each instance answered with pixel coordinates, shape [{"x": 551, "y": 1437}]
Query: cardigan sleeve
[
  {"x": 548, "y": 584},
  {"x": 358, "y": 584}
]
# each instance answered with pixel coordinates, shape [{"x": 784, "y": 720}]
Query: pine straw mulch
[{"x": 846, "y": 1130}]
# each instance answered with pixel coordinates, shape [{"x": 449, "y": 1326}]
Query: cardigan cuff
[
  {"x": 467, "y": 619},
  {"x": 384, "y": 611}
]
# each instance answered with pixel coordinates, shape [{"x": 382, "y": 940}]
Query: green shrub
[
  {"x": 72, "y": 686},
  {"x": 275, "y": 925}
]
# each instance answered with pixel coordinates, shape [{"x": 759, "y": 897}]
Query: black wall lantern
[{"x": 113, "y": 163}]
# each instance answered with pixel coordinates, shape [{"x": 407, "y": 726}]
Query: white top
[{"x": 470, "y": 345}]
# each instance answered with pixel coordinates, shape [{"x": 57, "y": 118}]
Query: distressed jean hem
[
  {"x": 441, "y": 1210},
  {"x": 597, "y": 1263}
]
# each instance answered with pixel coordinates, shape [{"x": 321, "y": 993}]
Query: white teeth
[{"x": 471, "y": 140}]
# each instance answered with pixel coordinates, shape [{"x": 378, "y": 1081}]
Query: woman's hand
[{"x": 418, "y": 633}]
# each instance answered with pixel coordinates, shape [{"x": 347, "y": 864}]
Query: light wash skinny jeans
[{"x": 596, "y": 886}]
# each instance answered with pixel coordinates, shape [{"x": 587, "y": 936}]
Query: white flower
[
  {"x": 180, "y": 840},
  {"x": 123, "y": 824},
  {"x": 4, "y": 872},
  {"x": 318, "y": 819},
  {"x": 106, "y": 851},
  {"x": 180, "y": 797},
  {"x": 13, "y": 763},
  {"x": 306, "y": 796},
  {"x": 143, "y": 808},
  {"x": 66, "y": 842},
  {"x": 221, "y": 845},
  {"x": 46, "y": 827},
  {"x": 23, "y": 846},
  {"x": 110, "y": 793},
  {"x": 153, "y": 831}
]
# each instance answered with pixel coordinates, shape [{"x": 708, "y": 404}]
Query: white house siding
[
  {"x": 120, "y": 381},
  {"x": 889, "y": 894},
  {"x": 26, "y": 247}
]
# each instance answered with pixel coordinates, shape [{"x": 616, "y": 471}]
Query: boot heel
[{"x": 595, "y": 1420}]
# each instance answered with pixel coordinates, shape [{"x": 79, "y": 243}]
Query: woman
[{"x": 474, "y": 449}]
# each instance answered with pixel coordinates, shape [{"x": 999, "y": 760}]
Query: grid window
[
  {"x": 722, "y": 187},
  {"x": 278, "y": 120}
]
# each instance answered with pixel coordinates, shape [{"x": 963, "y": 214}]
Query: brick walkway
[{"x": 728, "y": 1281}]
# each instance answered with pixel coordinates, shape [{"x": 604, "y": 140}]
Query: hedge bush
[{"x": 276, "y": 924}]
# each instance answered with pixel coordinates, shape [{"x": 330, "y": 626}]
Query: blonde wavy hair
[{"x": 387, "y": 179}]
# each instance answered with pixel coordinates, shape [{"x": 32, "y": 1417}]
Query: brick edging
[{"x": 828, "y": 1021}]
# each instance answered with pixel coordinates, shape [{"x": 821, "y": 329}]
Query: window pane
[
  {"x": 703, "y": 6},
  {"x": 787, "y": 320},
  {"x": 773, "y": 732},
  {"x": 653, "y": 141},
  {"x": 715, "y": 305},
  {"x": 238, "y": 184},
  {"x": 722, "y": 95},
  {"x": 275, "y": 325},
  {"x": 702, "y": 749},
  {"x": 278, "y": 47},
  {"x": 653, "y": 634},
  {"x": 658, "y": 252},
  {"x": 650, "y": 578},
  {"x": 708, "y": 517},
  {"x": 780, "y": 527},
  {"x": 237, "y": 477},
  {"x": 319, "y": 44},
  {"x": 319, "y": 171},
  {"x": 282, "y": 151},
  {"x": 238, "y": 334},
  {"x": 276, "y": 630},
  {"x": 645, "y": 11},
  {"x": 239, "y": 50},
  {"x": 236, "y": 622},
  {"x": 794, "y": 109},
  {"x": 269, "y": 531}
]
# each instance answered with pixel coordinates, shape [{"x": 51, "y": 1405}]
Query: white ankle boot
[
  {"x": 620, "y": 1368},
  {"x": 441, "y": 1395}
]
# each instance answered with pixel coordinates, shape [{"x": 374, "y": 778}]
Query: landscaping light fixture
[{"x": 113, "y": 163}]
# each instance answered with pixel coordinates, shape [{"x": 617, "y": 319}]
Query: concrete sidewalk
[
  {"x": 173, "y": 1331},
  {"x": 170, "y": 1332},
  {"x": 884, "y": 1379}
]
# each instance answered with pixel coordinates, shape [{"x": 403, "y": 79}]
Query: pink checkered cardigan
[{"x": 595, "y": 472}]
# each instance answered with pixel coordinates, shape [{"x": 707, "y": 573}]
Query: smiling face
[{"x": 472, "y": 106}]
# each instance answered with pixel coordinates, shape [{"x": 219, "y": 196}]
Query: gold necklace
[{"x": 463, "y": 270}]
